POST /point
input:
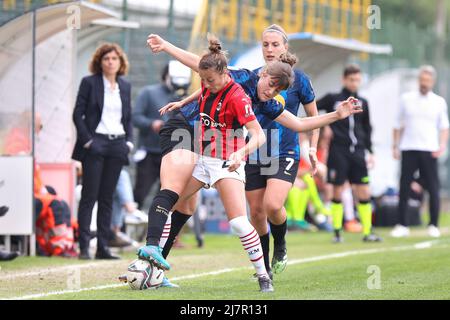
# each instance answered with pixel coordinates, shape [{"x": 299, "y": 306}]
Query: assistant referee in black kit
[{"x": 350, "y": 154}]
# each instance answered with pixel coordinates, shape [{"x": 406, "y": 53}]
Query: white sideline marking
[
  {"x": 54, "y": 269},
  {"x": 417, "y": 246},
  {"x": 425, "y": 244},
  {"x": 109, "y": 286}
]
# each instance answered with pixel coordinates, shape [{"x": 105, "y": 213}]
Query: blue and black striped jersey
[{"x": 283, "y": 141}]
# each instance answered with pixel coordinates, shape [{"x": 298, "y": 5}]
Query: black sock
[
  {"x": 158, "y": 214},
  {"x": 178, "y": 221},
  {"x": 265, "y": 240},
  {"x": 278, "y": 233}
]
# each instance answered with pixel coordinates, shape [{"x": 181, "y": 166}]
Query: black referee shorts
[
  {"x": 256, "y": 175},
  {"x": 176, "y": 133},
  {"x": 344, "y": 165}
]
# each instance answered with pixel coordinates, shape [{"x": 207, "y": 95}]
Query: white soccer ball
[{"x": 142, "y": 275}]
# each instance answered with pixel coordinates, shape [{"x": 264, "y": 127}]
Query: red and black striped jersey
[{"x": 222, "y": 117}]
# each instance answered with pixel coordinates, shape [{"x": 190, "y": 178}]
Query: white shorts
[{"x": 210, "y": 170}]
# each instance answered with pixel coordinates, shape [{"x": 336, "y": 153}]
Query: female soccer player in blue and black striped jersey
[{"x": 271, "y": 176}]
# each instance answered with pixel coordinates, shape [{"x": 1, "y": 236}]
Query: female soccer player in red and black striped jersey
[{"x": 224, "y": 110}]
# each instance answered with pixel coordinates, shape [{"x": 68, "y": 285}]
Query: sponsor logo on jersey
[
  {"x": 248, "y": 109},
  {"x": 210, "y": 122}
]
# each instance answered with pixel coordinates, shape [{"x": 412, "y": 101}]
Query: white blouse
[{"x": 111, "y": 120}]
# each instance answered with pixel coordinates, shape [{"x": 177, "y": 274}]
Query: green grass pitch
[{"x": 413, "y": 268}]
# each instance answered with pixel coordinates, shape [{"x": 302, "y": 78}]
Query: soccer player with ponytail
[{"x": 274, "y": 78}]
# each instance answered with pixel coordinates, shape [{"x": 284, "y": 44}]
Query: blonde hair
[{"x": 278, "y": 29}]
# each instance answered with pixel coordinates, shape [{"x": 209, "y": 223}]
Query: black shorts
[
  {"x": 256, "y": 175},
  {"x": 344, "y": 165},
  {"x": 176, "y": 133}
]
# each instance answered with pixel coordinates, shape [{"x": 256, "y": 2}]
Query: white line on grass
[
  {"x": 43, "y": 272},
  {"x": 416, "y": 246},
  {"x": 109, "y": 286}
]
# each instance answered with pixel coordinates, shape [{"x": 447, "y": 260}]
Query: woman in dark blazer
[{"x": 102, "y": 117}]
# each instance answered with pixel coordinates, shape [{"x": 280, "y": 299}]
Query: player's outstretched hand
[
  {"x": 170, "y": 107},
  {"x": 349, "y": 107},
  {"x": 156, "y": 43},
  {"x": 235, "y": 161}
]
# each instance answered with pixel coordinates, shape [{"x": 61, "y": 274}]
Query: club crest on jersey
[
  {"x": 219, "y": 106},
  {"x": 210, "y": 122}
]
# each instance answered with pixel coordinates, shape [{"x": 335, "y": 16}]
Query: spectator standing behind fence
[
  {"x": 102, "y": 117},
  {"x": 420, "y": 138},
  {"x": 175, "y": 80}
]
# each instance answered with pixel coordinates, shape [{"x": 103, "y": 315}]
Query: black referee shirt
[{"x": 354, "y": 131}]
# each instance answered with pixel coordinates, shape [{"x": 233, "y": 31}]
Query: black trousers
[
  {"x": 101, "y": 169},
  {"x": 147, "y": 173},
  {"x": 427, "y": 166}
]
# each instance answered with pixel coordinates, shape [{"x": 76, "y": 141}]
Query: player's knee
[
  {"x": 364, "y": 193},
  {"x": 272, "y": 207},
  {"x": 185, "y": 207},
  {"x": 257, "y": 213}
]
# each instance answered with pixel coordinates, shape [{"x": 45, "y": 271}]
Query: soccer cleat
[
  {"x": 265, "y": 284},
  {"x": 279, "y": 259},
  {"x": 372, "y": 238},
  {"x": 167, "y": 284},
  {"x": 153, "y": 254},
  {"x": 255, "y": 275}
]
